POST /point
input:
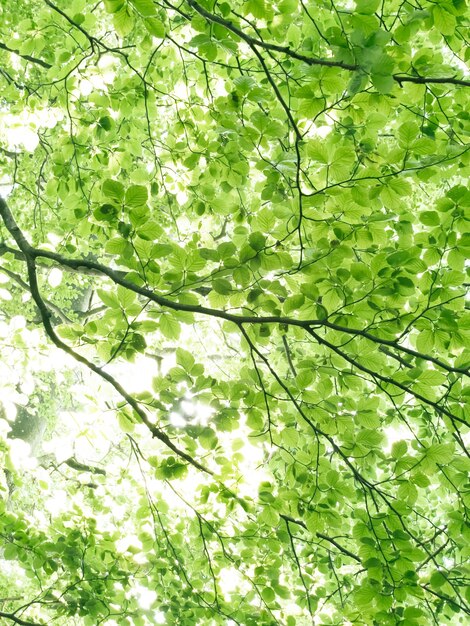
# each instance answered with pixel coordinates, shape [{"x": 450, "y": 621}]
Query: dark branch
[
  {"x": 30, "y": 256},
  {"x": 71, "y": 22},
  {"x": 287, "y": 518},
  {"x": 24, "y": 285},
  {"x": 424, "y": 80},
  {"x": 385, "y": 379},
  {"x": 118, "y": 278},
  {"x": 350, "y": 67},
  {"x": 252, "y": 41},
  {"x": 17, "y": 620},
  {"x": 82, "y": 467},
  {"x": 26, "y": 57}
]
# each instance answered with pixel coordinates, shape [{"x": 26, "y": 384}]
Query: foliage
[{"x": 260, "y": 211}]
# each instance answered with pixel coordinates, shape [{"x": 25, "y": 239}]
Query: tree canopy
[{"x": 233, "y": 244}]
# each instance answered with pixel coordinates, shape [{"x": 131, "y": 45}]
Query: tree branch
[
  {"x": 27, "y": 57},
  {"x": 350, "y": 67},
  {"x": 72, "y": 22},
  {"x": 252, "y": 41},
  {"x": 287, "y": 518},
  {"x": 30, "y": 255},
  {"x": 24, "y": 285},
  {"x": 424, "y": 80},
  {"x": 82, "y": 467},
  {"x": 118, "y": 278},
  {"x": 385, "y": 379},
  {"x": 17, "y": 620}
]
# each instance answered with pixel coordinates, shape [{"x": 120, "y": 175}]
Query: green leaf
[
  {"x": 270, "y": 517},
  {"x": 226, "y": 249},
  {"x": 268, "y": 594},
  {"x": 194, "y": 262},
  {"x": 125, "y": 296},
  {"x": 256, "y": 8},
  {"x": 408, "y": 492},
  {"x": 105, "y": 122},
  {"x": 290, "y": 437},
  {"x": 287, "y": 6},
  {"x": 117, "y": 245},
  {"x": 407, "y": 134},
  {"x": 138, "y": 216},
  {"x": 367, "y": 7},
  {"x": 437, "y": 580},
  {"x": 244, "y": 84},
  {"x": 136, "y": 196},
  {"x": 10, "y": 552},
  {"x": 320, "y": 312},
  {"x": 185, "y": 359},
  {"x": 444, "y": 21},
  {"x": 145, "y": 7},
  {"x": 108, "y": 298},
  {"x": 149, "y": 230},
  {"x": 440, "y": 453},
  {"x": 369, "y": 438},
  {"x": 384, "y": 83},
  {"x": 429, "y": 218},
  {"x": 155, "y": 27},
  {"x": 293, "y": 303},
  {"x": 432, "y": 378},
  {"x": 257, "y": 241},
  {"x": 247, "y": 253},
  {"x": 358, "y": 82},
  {"x": 126, "y": 424},
  {"x": 397, "y": 259},
  {"x": 222, "y": 286},
  {"x": 368, "y": 419},
  {"x": 113, "y": 190},
  {"x": 112, "y": 6},
  {"x": 399, "y": 448},
  {"x": 360, "y": 271},
  {"x": 208, "y": 439},
  {"x": 123, "y": 21},
  {"x": 138, "y": 342},
  {"x": 341, "y": 163},
  {"x": 425, "y": 341},
  {"x": 423, "y": 146},
  {"x": 171, "y": 469},
  {"x": 169, "y": 327},
  {"x": 317, "y": 151},
  {"x": 106, "y": 213},
  {"x": 255, "y": 420}
]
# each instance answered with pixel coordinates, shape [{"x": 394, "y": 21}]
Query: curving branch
[
  {"x": 253, "y": 42},
  {"x": 91, "y": 39},
  {"x": 83, "y": 467},
  {"x": 95, "y": 268},
  {"x": 24, "y": 285},
  {"x": 92, "y": 267},
  {"x": 292, "y": 520},
  {"x": 17, "y": 620},
  {"x": 30, "y": 256},
  {"x": 28, "y": 252},
  {"x": 26, "y": 57},
  {"x": 385, "y": 379}
]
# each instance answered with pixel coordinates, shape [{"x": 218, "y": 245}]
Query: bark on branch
[
  {"x": 350, "y": 67},
  {"x": 119, "y": 279},
  {"x": 26, "y": 57},
  {"x": 30, "y": 254},
  {"x": 17, "y": 620}
]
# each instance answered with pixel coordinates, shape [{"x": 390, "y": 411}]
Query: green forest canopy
[{"x": 233, "y": 245}]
